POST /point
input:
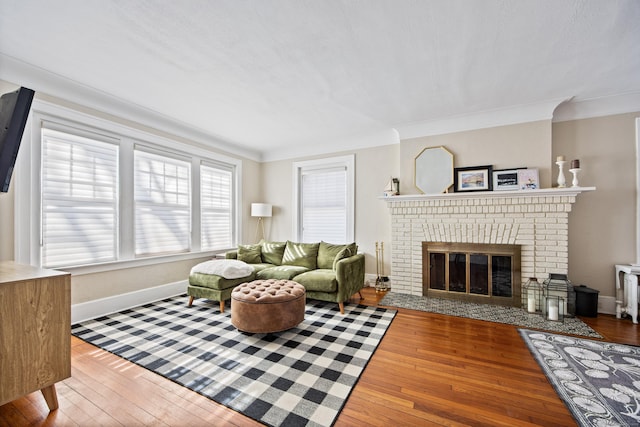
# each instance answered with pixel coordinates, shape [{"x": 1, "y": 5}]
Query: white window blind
[
  {"x": 324, "y": 205},
  {"x": 162, "y": 203},
  {"x": 216, "y": 203},
  {"x": 79, "y": 199}
]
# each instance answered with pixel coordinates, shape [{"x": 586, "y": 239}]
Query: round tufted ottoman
[{"x": 265, "y": 306}]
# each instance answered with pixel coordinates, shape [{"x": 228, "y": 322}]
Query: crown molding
[
  {"x": 558, "y": 110},
  {"x": 483, "y": 119},
  {"x": 598, "y": 107},
  {"x": 67, "y": 90},
  {"x": 381, "y": 137}
]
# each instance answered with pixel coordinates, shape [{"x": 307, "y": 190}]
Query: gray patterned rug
[
  {"x": 491, "y": 313},
  {"x": 598, "y": 381}
]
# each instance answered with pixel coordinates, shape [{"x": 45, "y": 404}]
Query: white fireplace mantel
[{"x": 569, "y": 191}]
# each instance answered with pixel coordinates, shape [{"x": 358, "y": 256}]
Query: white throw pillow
[{"x": 227, "y": 268}]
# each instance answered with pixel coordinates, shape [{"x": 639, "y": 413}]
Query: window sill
[{"x": 138, "y": 262}]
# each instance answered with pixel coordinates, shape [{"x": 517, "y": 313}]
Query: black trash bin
[{"x": 586, "y": 301}]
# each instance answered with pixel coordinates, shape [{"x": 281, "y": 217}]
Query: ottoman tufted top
[{"x": 268, "y": 291}]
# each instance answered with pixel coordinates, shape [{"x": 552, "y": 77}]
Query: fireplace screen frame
[{"x": 469, "y": 249}]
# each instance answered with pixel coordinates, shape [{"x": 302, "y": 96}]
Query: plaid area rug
[
  {"x": 491, "y": 313},
  {"x": 300, "y": 377},
  {"x": 598, "y": 381}
]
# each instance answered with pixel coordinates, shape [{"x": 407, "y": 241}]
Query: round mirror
[{"x": 434, "y": 170}]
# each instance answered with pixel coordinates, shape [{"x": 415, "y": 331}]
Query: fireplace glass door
[
  {"x": 457, "y": 272},
  {"x": 437, "y": 269},
  {"x": 475, "y": 272},
  {"x": 501, "y": 277},
  {"x": 479, "y": 274}
]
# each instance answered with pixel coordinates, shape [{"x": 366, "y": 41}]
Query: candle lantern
[
  {"x": 554, "y": 308},
  {"x": 532, "y": 296},
  {"x": 558, "y": 285}
]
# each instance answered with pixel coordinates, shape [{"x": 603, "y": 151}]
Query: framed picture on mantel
[
  {"x": 505, "y": 179},
  {"x": 475, "y": 178},
  {"x": 528, "y": 179}
]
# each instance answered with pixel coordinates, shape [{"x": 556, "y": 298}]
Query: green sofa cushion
[
  {"x": 212, "y": 281},
  {"x": 301, "y": 254},
  {"x": 321, "y": 280},
  {"x": 261, "y": 266},
  {"x": 327, "y": 253},
  {"x": 251, "y": 254},
  {"x": 282, "y": 272},
  {"x": 346, "y": 252},
  {"x": 272, "y": 252}
]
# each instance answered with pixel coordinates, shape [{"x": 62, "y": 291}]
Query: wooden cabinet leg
[{"x": 51, "y": 397}]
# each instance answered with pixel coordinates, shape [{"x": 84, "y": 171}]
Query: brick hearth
[{"x": 538, "y": 220}]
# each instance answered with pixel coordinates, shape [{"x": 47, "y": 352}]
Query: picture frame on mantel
[
  {"x": 528, "y": 179},
  {"x": 506, "y": 179},
  {"x": 474, "y": 178}
]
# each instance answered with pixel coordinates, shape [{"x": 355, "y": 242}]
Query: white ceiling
[{"x": 270, "y": 77}]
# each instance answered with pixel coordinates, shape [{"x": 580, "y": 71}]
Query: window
[
  {"x": 79, "y": 199},
  {"x": 216, "y": 203},
  {"x": 325, "y": 200},
  {"x": 162, "y": 203},
  {"x": 94, "y": 195}
]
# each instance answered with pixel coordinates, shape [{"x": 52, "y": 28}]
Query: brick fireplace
[{"x": 536, "y": 220}]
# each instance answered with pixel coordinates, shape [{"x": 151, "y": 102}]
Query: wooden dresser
[{"x": 35, "y": 331}]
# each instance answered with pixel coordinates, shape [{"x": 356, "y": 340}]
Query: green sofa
[{"x": 327, "y": 271}]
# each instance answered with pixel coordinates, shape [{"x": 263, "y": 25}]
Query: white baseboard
[
  {"x": 370, "y": 280},
  {"x": 100, "y": 307}
]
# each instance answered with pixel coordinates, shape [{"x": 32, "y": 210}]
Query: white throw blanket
[{"x": 227, "y": 268}]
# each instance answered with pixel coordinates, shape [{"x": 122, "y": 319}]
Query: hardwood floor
[{"x": 429, "y": 369}]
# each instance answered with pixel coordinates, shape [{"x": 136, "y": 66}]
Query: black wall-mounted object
[{"x": 14, "y": 111}]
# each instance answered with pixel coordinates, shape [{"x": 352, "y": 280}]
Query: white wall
[
  {"x": 373, "y": 167},
  {"x": 602, "y": 224},
  {"x": 503, "y": 147}
]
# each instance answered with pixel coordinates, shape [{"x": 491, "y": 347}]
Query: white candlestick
[
  {"x": 531, "y": 303},
  {"x": 574, "y": 183},
  {"x": 561, "y": 181}
]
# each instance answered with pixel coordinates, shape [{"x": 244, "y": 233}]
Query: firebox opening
[{"x": 475, "y": 272}]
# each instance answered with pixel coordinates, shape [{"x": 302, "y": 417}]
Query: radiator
[{"x": 627, "y": 291}]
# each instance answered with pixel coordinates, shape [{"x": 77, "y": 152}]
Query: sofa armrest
[
  {"x": 231, "y": 254},
  {"x": 350, "y": 276}
]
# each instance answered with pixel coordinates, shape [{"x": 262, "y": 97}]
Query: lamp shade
[{"x": 262, "y": 210}]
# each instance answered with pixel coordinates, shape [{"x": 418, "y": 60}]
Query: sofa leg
[
  {"x": 221, "y": 306},
  {"x": 190, "y": 301},
  {"x": 341, "y": 305},
  {"x": 360, "y": 293}
]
